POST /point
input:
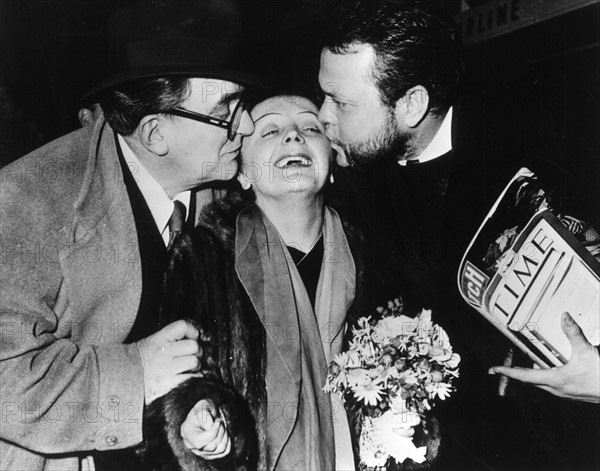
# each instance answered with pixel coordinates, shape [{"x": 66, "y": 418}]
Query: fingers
[
  {"x": 220, "y": 443},
  {"x": 574, "y": 333},
  {"x": 526, "y": 375},
  {"x": 178, "y": 330},
  {"x": 207, "y": 407},
  {"x": 204, "y": 432},
  {"x": 197, "y": 421},
  {"x": 220, "y": 446},
  {"x": 165, "y": 356},
  {"x": 223, "y": 449},
  {"x": 404, "y": 431},
  {"x": 182, "y": 348},
  {"x": 183, "y": 364}
]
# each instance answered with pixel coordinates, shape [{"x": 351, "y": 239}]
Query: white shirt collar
[
  {"x": 159, "y": 203},
  {"x": 441, "y": 143}
]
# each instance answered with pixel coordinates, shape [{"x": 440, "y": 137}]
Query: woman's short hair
[
  {"x": 255, "y": 96},
  {"x": 413, "y": 45},
  {"x": 126, "y": 104}
]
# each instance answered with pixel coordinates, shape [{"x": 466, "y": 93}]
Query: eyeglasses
[{"x": 232, "y": 125}]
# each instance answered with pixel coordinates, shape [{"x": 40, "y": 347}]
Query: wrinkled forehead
[
  {"x": 285, "y": 105},
  {"x": 213, "y": 92}
]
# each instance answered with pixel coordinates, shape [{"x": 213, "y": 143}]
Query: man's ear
[
  {"x": 413, "y": 106},
  {"x": 86, "y": 117},
  {"x": 244, "y": 181},
  {"x": 150, "y": 136}
]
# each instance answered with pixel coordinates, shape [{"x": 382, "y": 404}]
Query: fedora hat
[{"x": 157, "y": 38}]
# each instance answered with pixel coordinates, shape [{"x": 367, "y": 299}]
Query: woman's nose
[{"x": 293, "y": 135}]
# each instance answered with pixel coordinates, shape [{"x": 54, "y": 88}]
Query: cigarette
[{"x": 503, "y": 383}]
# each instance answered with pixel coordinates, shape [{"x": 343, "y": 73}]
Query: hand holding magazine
[
  {"x": 526, "y": 266},
  {"x": 579, "y": 379}
]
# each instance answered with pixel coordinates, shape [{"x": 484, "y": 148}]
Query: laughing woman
[{"x": 269, "y": 280}]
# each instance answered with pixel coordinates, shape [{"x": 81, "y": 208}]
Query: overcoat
[{"x": 70, "y": 286}]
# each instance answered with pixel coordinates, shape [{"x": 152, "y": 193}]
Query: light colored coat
[{"x": 70, "y": 285}]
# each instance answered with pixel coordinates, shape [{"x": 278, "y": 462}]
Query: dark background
[{"x": 537, "y": 88}]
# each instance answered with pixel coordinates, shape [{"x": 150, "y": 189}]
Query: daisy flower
[
  {"x": 369, "y": 393},
  {"x": 356, "y": 376},
  {"x": 441, "y": 390}
]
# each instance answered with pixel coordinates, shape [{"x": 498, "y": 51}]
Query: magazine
[{"x": 524, "y": 268}]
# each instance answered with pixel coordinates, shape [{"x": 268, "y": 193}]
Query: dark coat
[
  {"x": 202, "y": 285},
  {"x": 415, "y": 241}
]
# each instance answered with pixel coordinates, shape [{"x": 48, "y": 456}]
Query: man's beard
[{"x": 385, "y": 144}]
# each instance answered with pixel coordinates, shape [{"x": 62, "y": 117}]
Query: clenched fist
[
  {"x": 205, "y": 433},
  {"x": 168, "y": 357}
]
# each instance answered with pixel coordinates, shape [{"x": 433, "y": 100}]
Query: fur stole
[{"x": 201, "y": 286}]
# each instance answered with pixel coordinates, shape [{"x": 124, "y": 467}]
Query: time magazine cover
[{"x": 527, "y": 265}]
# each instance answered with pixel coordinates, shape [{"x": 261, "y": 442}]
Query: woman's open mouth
[{"x": 295, "y": 160}]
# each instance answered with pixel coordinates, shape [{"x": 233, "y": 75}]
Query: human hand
[
  {"x": 578, "y": 379},
  {"x": 204, "y": 431},
  {"x": 166, "y": 356},
  {"x": 404, "y": 431},
  {"x": 396, "y": 429},
  {"x": 404, "y": 423}
]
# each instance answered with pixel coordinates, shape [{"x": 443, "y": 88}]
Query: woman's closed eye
[
  {"x": 270, "y": 132},
  {"x": 313, "y": 129},
  {"x": 307, "y": 128}
]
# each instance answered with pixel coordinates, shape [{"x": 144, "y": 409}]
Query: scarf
[{"x": 307, "y": 428}]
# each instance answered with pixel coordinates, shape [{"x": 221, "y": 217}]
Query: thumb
[
  {"x": 206, "y": 412},
  {"x": 574, "y": 333}
]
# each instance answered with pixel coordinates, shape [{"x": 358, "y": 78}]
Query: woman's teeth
[{"x": 294, "y": 160}]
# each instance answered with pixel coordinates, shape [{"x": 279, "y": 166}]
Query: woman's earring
[
  {"x": 331, "y": 179},
  {"x": 244, "y": 182}
]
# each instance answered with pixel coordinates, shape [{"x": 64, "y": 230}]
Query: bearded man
[{"x": 419, "y": 173}]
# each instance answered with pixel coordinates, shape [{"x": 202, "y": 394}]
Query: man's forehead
[
  {"x": 214, "y": 91},
  {"x": 347, "y": 68}
]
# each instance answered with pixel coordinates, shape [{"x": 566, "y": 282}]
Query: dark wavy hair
[
  {"x": 414, "y": 45},
  {"x": 126, "y": 104}
]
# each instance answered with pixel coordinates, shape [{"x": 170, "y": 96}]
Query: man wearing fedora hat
[{"x": 86, "y": 225}]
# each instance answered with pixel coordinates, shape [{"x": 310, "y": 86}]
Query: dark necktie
[{"x": 176, "y": 221}]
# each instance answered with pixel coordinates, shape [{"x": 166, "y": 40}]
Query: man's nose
[
  {"x": 325, "y": 116},
  {"x": 246, "y": 125}
]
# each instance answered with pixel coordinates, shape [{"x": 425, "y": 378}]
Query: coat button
[{"x": 111, "y": 440}]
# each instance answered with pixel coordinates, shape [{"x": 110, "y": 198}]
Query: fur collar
[{"x": 218, "y": 219}]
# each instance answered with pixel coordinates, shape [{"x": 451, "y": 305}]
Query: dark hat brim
[{"x": 241, "y": 78}]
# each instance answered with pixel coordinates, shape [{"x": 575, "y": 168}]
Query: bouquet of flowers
[{"x": 392, "y": 373}]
